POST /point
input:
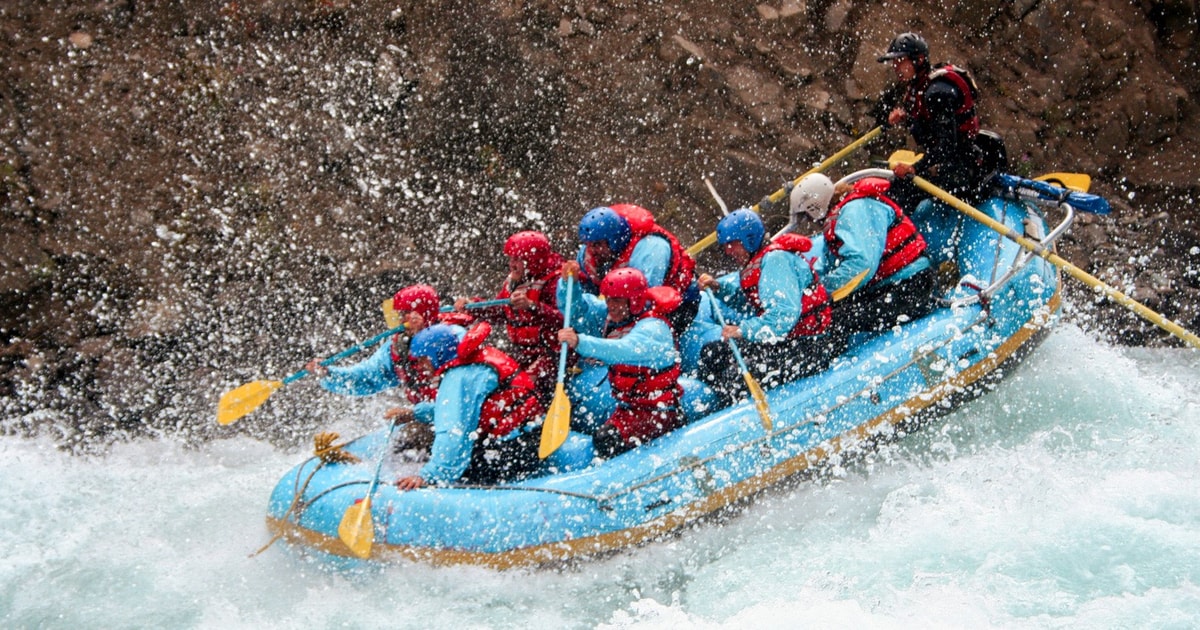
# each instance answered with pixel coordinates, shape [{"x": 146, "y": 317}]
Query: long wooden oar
[
  {"x": 241, "y": 401},
  {"x": 780, "y": 194},
  {"x": 357, "y": 528},
  {"x": 1079, "y": 274},
  {"x": 756, "y": 390},
  {"x": 558, "y": 419}
]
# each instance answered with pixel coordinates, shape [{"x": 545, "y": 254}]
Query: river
[{"x": 1068, "y": 497}]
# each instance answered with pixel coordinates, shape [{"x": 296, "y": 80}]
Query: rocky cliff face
[{"x": 198, "y": 194}]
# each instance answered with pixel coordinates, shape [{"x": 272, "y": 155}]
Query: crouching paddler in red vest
[
  {"x": 875, "y": 264},
  {"x": 485, "y": 413},
  {"x": 785, "y": 310},
  {"x": 643, "y": 365}
]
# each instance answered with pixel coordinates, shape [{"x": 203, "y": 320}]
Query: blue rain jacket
[
  {"x": 783, "y": 279},
  {"x": 651, "y": 256},
  {"x": 862, "y": 225}
]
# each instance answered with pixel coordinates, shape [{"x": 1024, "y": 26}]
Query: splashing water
[{"x": 1067, "y": 497}]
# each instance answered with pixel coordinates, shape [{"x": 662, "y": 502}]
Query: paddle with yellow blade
[
  {"x": 357, "y": 528},
  {"x": 558, "y": 419},
  {"x": 756, "y": 390},
  {"x": 1079, "y": 274},
  {"x": 780, "y": 194},
  {"x": 241, "y": 401},
  {"x": 392, "y": 318},
  {"x": 1079, "y": 182}
]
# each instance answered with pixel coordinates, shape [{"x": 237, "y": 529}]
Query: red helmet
[
  {"x": 421, "y": 298},
  {"x": 628, "y": 283},
  {"x": 534, "y": 249}
]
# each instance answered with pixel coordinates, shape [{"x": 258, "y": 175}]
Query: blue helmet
[
  {"x": 604, "y": 224},
  {"x": 439, "y": 343},
  {"x": 742, "y": 225}
]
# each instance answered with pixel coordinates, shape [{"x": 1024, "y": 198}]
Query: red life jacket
[
  {"x": 418, "y": 387},
  {"x": 528, "y": 329},
  {"x": 965, "y": 116},
  {"x": 682, "y": 268},
  {"x": 815, "y": 311},
  {"x": 513, "y": 403},
  {"x": 904, "y": 243},
  {"x": 643, "y": 388}
]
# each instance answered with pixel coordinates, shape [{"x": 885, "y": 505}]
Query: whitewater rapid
[{"x": 1068, "y": 497}]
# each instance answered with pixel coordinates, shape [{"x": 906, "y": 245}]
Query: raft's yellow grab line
[{"x": 631, "y": 536}]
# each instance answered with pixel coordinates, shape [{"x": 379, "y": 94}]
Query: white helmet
[{"x": 812, "y": 195}]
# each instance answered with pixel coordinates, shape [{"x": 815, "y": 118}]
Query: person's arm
[
  {"x": 652, "y": 257},
  {"x": 648, "y": 344},
  {"x": 781, "y": 285},
  {"x": 423, "y": 412},
  {"x": 889, "y": 99},
  {"x": 727, "y": 290},
  {"x": 546, "y": 307},
  {"x": 728, "y": 286},
  {"x": 588, "y": 311},
  {"x": 370, "y": 376},
  {"x": 455, "y": 417},
  {"x": 862, "y": 227}
]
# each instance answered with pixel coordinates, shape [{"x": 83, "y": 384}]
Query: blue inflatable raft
[{"x": 882, "y": 386}]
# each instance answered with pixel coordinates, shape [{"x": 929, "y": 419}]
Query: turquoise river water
[{"x": 1067, "y": 498}]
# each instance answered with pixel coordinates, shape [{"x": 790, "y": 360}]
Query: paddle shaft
[
  {"x": 737, "y": 354},
  {"x": 471, "y": 306},
  {"x": 357, "y": 528},
  {"x": 393, "y": 318},
  {"x": 1137, "y": 307},
  {"x": 760, "y": 397},
  {"x": 557, "y": 424},
  {"x": 562, "y": 350},
  {"x": 347, "y": 352},
  {"x": 379, "y": 464},
  {"x": 778, "y": 195}
]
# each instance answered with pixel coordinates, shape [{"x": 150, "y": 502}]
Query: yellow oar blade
[
  {"x": 1080, "y": 182},
  {"x": 903, "y": 156},
  {"x": 760, "y": 400},
  {"x": 390, "y": 316},
  {"x": 241, "y": 401},
  {"x": 558, "y": 423},
  {"x": 357, "y": 529}
]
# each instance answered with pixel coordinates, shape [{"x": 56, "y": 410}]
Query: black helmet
[{"x": 905, "y": 45}]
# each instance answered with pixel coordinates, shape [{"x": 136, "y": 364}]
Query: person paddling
[
  {"x": 625, "y": 235},
  {"x": 938, "y": 105},
  {"x": 643, "y": 365},
  {"x": 391, "y": 366},
  {"x": 484, "y": 413},
  {"x": 531, "y": 317},
  {"x": 874, "y": 264},
  {"x": 785, "y": 336}
]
